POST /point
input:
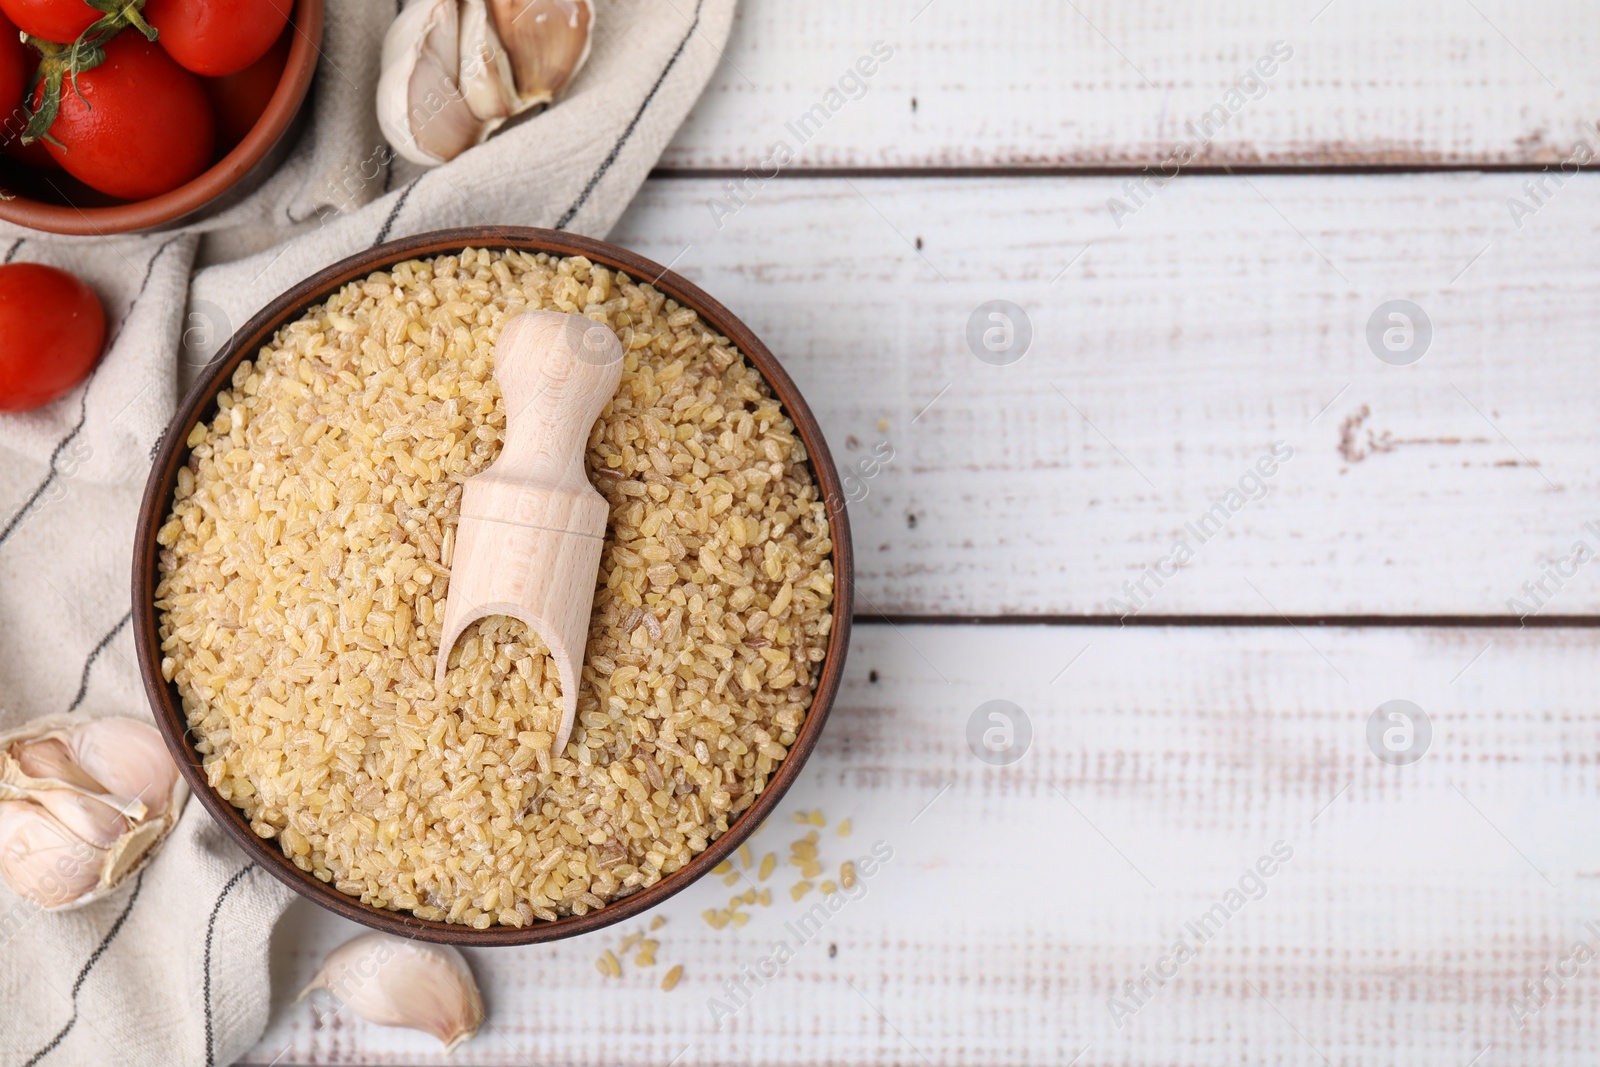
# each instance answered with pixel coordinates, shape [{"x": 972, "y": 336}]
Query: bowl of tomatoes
[{"x": 122, "y": 116}]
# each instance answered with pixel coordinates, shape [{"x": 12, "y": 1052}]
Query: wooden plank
[
  {"x": 1168, "y": 355},
  {"x": 1098, "y": 83},
  {"x": 1164, "y": 763}
]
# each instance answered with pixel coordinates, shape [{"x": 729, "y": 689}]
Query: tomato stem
[{"x": 60, "y": 62}]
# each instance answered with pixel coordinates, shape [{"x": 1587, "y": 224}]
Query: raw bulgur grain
[{"x": 305, "y": 566}]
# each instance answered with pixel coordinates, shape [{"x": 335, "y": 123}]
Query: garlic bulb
[
  {"x": 548, "y": 41},
  {"x": 455, "y": 70},
  {"x": 81, "y": 806},
  {"x": 394, "y": 981}
]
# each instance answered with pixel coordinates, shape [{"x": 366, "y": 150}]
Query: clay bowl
[
  {"x": 56, "y": 203},
  {"x": 200, "y": 404}
]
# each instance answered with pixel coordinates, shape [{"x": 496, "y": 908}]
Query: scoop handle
[
  {"x": 531, "y": 528},
  {"x": 556, "y": 373}
]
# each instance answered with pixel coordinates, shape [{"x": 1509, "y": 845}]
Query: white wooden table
[{"x": 1179, "y": 333}]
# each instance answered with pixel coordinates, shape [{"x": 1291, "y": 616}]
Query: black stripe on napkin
[
  {"x": 211, "y": 932},
  {"x": 83, "y": 974},
  {"x": 616, "y": 149},
  {"x": 394, "y": 212},
  {"x": 94, "y": 654}
]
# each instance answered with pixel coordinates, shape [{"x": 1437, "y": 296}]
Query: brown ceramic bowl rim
[
  {"x": 174, "y": 452},
  {"x": 304, "y": 50}
]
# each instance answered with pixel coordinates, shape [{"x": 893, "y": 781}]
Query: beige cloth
[{"x": 172, "y": 968}]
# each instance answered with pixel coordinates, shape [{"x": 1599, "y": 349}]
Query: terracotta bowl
[
  {"x": 200, "y": 404},
  {"x": 56, "y": 203}
]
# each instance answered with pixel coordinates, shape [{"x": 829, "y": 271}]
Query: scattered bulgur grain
[
  {"x": 765, "y": 898},
  {"x": 801, "y": 817},
  {"x": 628, "y": 942},
  {"x": 817, "y": 819},
  {"x": 811, "y": 837},
  {"x": 714, "y": 918},
  {"x": 769, "y": 863},
  {"x": 305, "y": 565},
  {"x": 847, "y": 874},
  {"x": 799, "y": 889},
  {"x": 844, "y": 828},
  {"x": 827, "y": 888},
  {"x": 644, "y": 959},
  {"x": 806, "y": 850},
  {"x": 658, "y": 922},
  {"x": 744, "y": 856},
  {"x": 731, "y": 879},
  {"x": 722, "y": 868},
  {"x": 670, "y": 979},
  {"x": 613, "y": 965},
  {"x": 749, "y": 896},
  {"x": 811, "y": 869},
  {"x": 740, "y": 918}
]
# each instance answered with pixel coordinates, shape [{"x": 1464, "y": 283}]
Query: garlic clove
[
  {"x": 89, "y": 818},
  {"x": 548, "y": 41},
  {"x": 421, "y": 108},
  {"x": 394, "y": 981},
  {"x": 52, "y": 758},
  {"x": 42, "y": 860},
  {"x": 129, "y": 759},
  {"x": 485, "y": 73}
]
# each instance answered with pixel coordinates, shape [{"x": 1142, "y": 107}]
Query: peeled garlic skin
[
  {"x": 548, "y": 41},
  {"x": 394, "y": 981},
  {"x": 421, "y": 109},
  {"x": 41, "y": 860},
  {"x": 129, "y": 759}
]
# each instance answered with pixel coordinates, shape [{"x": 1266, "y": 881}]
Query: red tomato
[
  {"x": 14, "y": 66},
  {"x": 52, "y": 329},
  {"x": 239, "y": 99},
  {"x": 60, "y": 21},
  {"x": 146, "y": 127},
  {"x": 217, "y": 37}
]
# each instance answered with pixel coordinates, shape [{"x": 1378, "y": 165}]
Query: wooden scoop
[{"x": 528, "y": 544}]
